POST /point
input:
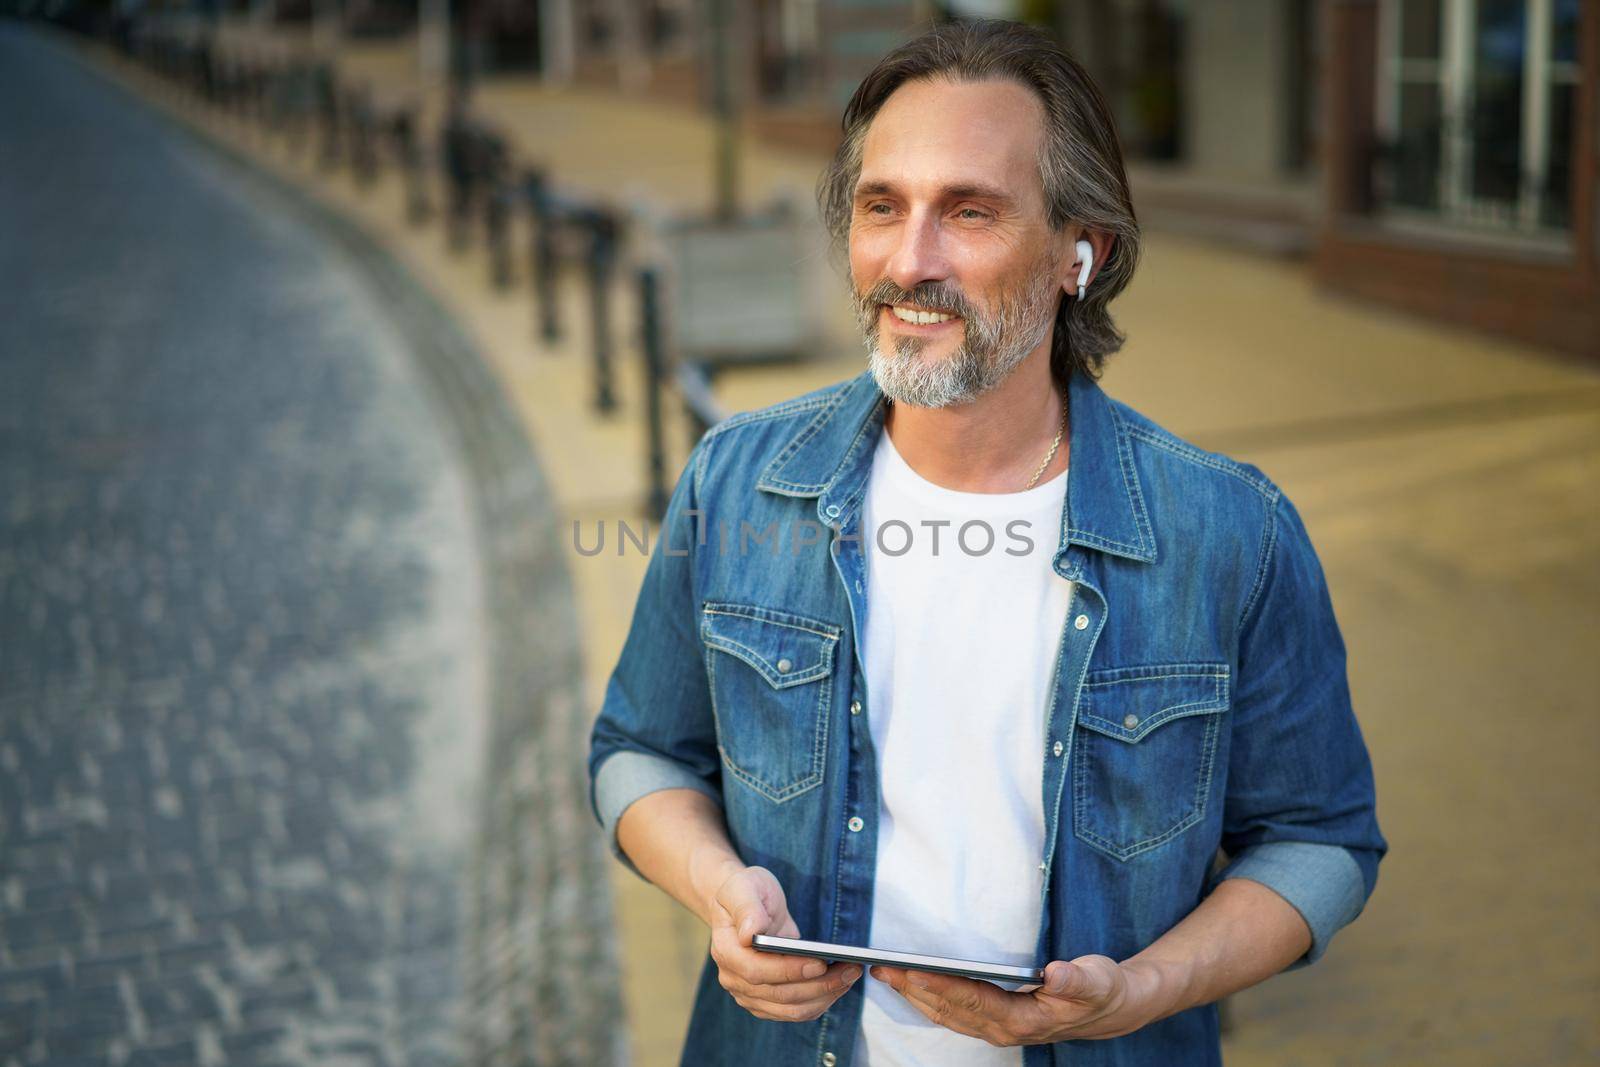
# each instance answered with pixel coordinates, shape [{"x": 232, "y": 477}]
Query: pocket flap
[
  {"x": 787, "y": 649},
  {"x": 1128, "y": 702}
]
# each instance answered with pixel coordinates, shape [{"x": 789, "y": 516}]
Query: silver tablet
[{"x": 1014, "y": 979}]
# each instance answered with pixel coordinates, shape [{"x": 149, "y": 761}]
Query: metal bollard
[
  {"x": 458, "y": 168},
  {"x": 205, "y": 71},
  {"x": 497, "y": 211},
  {"x": 260, "y": 83},
  {"x": 655, "y": 381},
  {"x": 418, "y": 207},
  {"x": 296, "y": 93},
  {"x": 363, "y": 153},
  {"x": 602, "y": 258},
  {"x": 542, "y": 255},
  {"x": 327, "y": 104},
  {"x": 273, "y": 98}
]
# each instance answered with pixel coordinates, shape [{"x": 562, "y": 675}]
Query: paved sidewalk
[
  {"x": 1446, "y": 478},
  {"x": 242, "y": 678}
]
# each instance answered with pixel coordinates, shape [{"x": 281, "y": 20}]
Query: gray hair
[{"x": 1080, "y": 161}]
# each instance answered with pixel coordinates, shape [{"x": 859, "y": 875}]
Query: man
[{"x": 848, "y": 713}]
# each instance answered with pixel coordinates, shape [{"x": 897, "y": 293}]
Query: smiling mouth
[{"x": 917, "y": 316}]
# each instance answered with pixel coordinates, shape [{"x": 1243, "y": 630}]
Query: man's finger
[
  {"x": 959, "y": 1003},
  {"x": 758, "y": 1001},
  {"x": 978, "y": 1009},
  {"x": 1073, "y": 981},
  {"x": 764, "y": 968},
  {"x": 785, "y": 1013},
  {"x": 773, "y": 906},
  {"x": 966, "y": 993},
  {"x": 839, "y": 978},
  {"x": 741, "y": 900},
  {"x": 940, "y": 1010},
  {"x": 980, "y": 1001}
]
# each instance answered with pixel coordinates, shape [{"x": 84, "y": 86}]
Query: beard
[{"x": 992, "y": 343}]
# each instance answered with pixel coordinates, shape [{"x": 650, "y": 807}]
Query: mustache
[{"x": 944, "y": 297}]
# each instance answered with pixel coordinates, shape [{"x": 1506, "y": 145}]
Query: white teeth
[{"x": 921, "y": 318}]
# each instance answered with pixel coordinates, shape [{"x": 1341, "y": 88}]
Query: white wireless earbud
[{"x": 1085, "y": 253}]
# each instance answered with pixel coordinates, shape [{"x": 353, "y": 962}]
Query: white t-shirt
[{"x": 960, "y": 652}]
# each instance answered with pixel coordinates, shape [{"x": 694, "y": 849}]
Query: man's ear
[
  {"x": 1067, "y": 258},
  {"x": 1103, "y": 243}
]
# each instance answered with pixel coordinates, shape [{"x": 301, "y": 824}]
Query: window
[
  {"x": 1476, "y": 101},
  {"x": 667, "y": 25},
  {"x": 788, "y": 34}
]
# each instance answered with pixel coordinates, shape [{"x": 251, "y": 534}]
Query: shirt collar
[{"x": 831, "y": 456}]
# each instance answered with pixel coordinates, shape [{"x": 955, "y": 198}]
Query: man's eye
[
  {"x": 879, "y": 209},
  {"x": 972, "y": 214}
]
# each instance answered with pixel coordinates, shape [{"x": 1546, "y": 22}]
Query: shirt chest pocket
[
  {"x": 771, "y": 679},
  {"x": 1144, "y": 753}
]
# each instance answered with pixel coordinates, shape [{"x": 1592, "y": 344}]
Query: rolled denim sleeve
[
  {"x": 655, "y": 729},
  {"x": 1300, "y": 815}
]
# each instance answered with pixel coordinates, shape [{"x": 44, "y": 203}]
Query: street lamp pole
[
  {"x": 325, "y": 26},
  {"x": 434, "y": 50},
  {"x": 727, "y": 142}
]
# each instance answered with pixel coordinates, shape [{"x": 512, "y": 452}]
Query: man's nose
[{"x": 917, "y": 256}]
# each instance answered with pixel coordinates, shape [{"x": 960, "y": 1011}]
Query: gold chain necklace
[{"x": 1048, "y": 456}]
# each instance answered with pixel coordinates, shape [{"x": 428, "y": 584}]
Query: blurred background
[{"x": 330, "y": 325}]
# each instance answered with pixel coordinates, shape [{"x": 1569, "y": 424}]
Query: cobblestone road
[{"x": 246, "y": 642}]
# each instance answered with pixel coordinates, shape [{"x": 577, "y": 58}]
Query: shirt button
[
  {"x": 1059, "y": 748},
  {"x": 1130, "y": 721},
  {"x": 833, "y": 511},
  {"x": 1081, "y": 622},
  {"x": 855, "y": 824},
  {"x": 783, "y": 666},
  {"x": 829, "y": 1059},
  {"x": 855, "y": 707}
]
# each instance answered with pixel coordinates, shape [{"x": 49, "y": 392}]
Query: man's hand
[
  {"x": 1239, "y": 935},
  {"x": 767, "y": 985},
  {"x": 1092, "y": 996}
]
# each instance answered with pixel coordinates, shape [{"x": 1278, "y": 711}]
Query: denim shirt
[{"x": 1199, "y": 703}]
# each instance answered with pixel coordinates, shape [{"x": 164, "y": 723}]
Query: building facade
[
  {"x": 1461, "y": 173},
  {"x": 1435, "y": 155}
]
